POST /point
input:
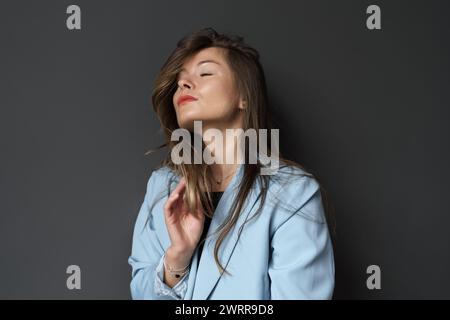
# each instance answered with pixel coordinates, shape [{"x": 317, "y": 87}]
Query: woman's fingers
[
  {"x": 180, "y": 188},
  {"x": 168, "y": 207},
  {"x": 175, "y": 196}
]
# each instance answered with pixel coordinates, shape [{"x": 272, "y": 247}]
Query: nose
[{"x": 184, "y": 83}]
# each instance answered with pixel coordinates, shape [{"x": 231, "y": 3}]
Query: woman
[{"x": 224, "y": 230}]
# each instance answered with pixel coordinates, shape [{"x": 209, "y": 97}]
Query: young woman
[{"x": 224, "y": 230}]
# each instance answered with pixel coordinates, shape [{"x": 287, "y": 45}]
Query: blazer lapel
[{"x": 207, "y": 274}]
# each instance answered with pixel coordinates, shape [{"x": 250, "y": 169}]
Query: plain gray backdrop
[{"x": 367, "y": 110}]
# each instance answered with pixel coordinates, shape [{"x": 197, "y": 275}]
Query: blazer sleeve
[
  {"x": 301, "y": 265},
  {"x": 147, "y": 256}
]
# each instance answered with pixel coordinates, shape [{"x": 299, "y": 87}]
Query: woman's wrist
[
  {"x": 177, "y": 259},
  {"x": 176, "y": 265}
]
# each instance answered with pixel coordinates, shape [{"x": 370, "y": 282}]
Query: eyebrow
[{"x": 203, "y": 61}]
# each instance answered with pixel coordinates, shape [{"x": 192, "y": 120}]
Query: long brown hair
[{"x": 250, "y": 80}]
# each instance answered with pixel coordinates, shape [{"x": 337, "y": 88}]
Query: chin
[{"x": 187, "y": 124}]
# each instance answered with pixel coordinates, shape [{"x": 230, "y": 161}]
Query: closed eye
[{"x": 206, "y": 74}]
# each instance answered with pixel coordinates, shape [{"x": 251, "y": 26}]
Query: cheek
[
  {"x": 175, "y": 97},
  {"x": 218, "y": 94}
]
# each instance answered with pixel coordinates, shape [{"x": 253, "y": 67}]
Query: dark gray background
[{"x": 366, "y": 110}]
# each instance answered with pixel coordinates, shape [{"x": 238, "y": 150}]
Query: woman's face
[{"x": 207, "y": 77}]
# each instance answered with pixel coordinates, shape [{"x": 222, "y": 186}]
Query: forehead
[{"x": 213, "y": 55}]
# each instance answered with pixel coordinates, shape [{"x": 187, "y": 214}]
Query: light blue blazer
[{"x": 283, "y": 253}]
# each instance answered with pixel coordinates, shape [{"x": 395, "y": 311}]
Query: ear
[{"x": 242, "y": 104}]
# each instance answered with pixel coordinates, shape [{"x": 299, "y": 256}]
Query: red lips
[{"x": 185, "y": 98}]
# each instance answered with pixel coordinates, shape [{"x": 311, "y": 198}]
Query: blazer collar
[
  {"x": 208, "y": 274},
  {"x": 204, "y": 274}
]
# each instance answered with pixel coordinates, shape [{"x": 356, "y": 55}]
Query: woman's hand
[{"x": 185, "y": 227}]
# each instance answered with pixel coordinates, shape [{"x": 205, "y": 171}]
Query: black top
[{"x": 215, "y": 198}]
